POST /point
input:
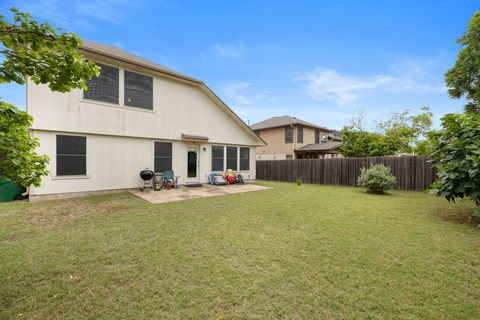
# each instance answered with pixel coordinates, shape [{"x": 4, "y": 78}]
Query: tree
[
  {"x": 398, "y": 134},
  {"x": 37, "y": 51},
  {"x": 357, "y": 143},
  {"x": 18, "y": 160},
  {"x": 403, "y": 130},
  {"x": 463, "y": 79},
  {"x": 457, "y": 157},
  {"x": 358, "y": 120},
  {"x": 456, "y": 147},
  {"x": 46, "y": 56}
]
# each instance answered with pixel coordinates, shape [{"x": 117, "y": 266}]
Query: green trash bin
[{"x": 9, "y": 190}]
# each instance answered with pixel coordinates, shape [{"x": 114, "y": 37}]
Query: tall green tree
[
  {"x": 463, "y": 79},
  {"x": 44, "y": 55},
  {"x": 456, "y": 147},
  {"x": 400, "y": 133}
]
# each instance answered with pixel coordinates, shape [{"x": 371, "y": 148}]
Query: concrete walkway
[{"x": 185, "y": 193}]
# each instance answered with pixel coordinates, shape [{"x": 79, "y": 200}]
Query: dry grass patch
[{"x": 56, "y": 213}]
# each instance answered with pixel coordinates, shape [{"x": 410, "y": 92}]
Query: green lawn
[{"x": 294, "y": 252}]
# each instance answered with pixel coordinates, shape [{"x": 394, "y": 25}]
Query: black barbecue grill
[{"x": 146, "y": 176}]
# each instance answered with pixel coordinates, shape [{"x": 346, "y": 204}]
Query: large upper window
[
  {"x": 138, "y": 90},
  {"x": 317, "y": 136},
  {"x": 288, "y": 135},
  {"x": 217, "y": 158},
  {"x": 104, "y": 87},
  {"x": 71, "y": 155},
  {"x": 299, "y": 134},
  {"x": 244, "y": 158},
  {"x": 163, "y": 156},
  {"x": 232, "y": 157}
]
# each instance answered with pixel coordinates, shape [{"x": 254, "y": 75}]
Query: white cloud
[
  {"x": 329, "y": 84},
  {"x": 406, "y": 75},
  {"x": 228, "y": 51},
  {"x": 79, "y": 13},
  {"x": 244, "y": 93},
  {"x": 111, "y": 11}
]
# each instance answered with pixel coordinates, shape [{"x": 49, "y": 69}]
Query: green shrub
[
  {"x": 377, "y": 179},
  {"x": 299, "y": 181}
]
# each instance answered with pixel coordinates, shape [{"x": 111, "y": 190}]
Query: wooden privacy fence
[{"x": 412, "y": 172}]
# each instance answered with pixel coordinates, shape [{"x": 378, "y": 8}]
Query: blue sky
[{"x": 316, "y": 60}]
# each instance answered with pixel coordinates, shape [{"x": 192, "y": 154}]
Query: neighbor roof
[
  {"x": 326, "y": 146},
  {"x": 283, "y": 121},
  {"x": 122, "y": 55}
]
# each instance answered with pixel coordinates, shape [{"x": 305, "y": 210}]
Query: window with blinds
[
  {"x": 138, "y": 90},
  {"x": 232, "y": 157},
  {"x": 245, "y": 159},
  {"x": 288, "y": 135},
  {"x": 71, "y": 155},
  {"x": 217, "y": 158},
  {"x": 163, "y": 156},
  {"x": 299, "y": 134},
  {"x": 105, "y": 87}
]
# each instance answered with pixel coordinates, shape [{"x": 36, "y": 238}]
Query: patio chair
[{"x": 168, "y": 176}]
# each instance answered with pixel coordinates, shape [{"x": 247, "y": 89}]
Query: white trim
[
  {"x": 113, "y": 105},
  {"x": 69, "y": 177}
]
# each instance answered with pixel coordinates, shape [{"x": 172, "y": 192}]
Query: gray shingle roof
[
  {"x": 117, "y": 53},
  {"x": 326, "y": 146},
  {"x": 283, "y": 121}
]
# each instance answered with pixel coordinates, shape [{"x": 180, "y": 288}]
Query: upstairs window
[
  {"x": 232, "y": 156},
  {"x": 317, "y": 136},
  {"x": 288, "y": 135},
  {"x": 245, "y": 159},
  {"x": 217, "y": 158},
  {"x": 163, "y": 156},
  {"x": 138, "y": 90},
  {"x": 71, "y": 156},
  {"x": 299, "y": 134},
  {"x": 105, "y": 87}
]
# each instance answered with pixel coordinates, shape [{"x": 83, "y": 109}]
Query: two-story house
[
  {"x": 291, "y": 138},
  {"x": 135, "y": 115}
]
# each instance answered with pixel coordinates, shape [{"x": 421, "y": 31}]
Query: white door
[{"x": 193, "y": 164}]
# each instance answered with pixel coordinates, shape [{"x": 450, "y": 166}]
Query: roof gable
[
  {"x": 89, "y": 47},
  {"x": 284, "y": 121}
]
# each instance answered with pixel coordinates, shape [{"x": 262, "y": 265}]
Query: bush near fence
[{"x": 412, "y": 172}]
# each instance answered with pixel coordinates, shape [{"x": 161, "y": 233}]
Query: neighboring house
[
  {"x": 135, "y": 115},
  {"x": 291, "y": 138}
]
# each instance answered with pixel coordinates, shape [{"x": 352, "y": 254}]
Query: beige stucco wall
[
  {"x": 120, "y": 140},
  {"x": 178, "y": 107},
  {"x": 275, "y": 139},
  {"x": 276, "y": 147},
  {"x": 115, "y": 162}
]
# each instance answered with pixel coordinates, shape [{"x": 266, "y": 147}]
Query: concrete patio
[{"x": 186, "y": 193}]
